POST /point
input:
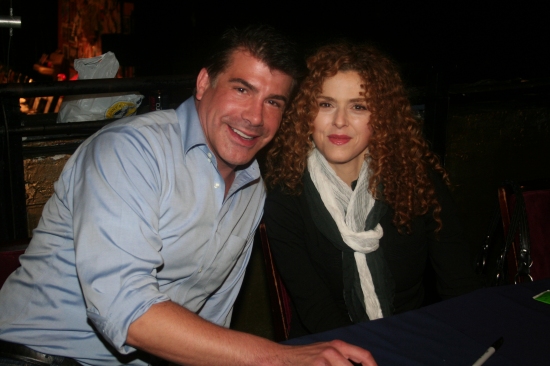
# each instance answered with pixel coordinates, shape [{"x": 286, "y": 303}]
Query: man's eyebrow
[
  {"x": 254, "y": 89},
  {"x": 282, "y": 98},
  {"x": 244, "y": 82}
]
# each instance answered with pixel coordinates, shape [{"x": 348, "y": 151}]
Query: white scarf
[{"x": 349, "y": 210}]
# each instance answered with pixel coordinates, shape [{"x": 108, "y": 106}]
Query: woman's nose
[{"x": 340, "y": 119}]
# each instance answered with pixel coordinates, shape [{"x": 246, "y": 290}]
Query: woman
[{"x": 357, "y": 202}]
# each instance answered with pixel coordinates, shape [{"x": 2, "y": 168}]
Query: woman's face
[{"x": 341, "y": 130}]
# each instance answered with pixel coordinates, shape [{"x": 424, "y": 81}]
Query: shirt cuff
[{"x": 114, "y": 327}]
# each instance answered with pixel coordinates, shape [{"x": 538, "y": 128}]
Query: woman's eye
[
  {"x": 324, "y": 105},
  {"x": 360, "y": 107}
]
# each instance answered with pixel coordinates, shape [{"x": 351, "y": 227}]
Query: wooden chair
[
  {"x": 278, "y": 295},
  {"x": 9, "y": 260},
  {"x": 528, "y": 204}
]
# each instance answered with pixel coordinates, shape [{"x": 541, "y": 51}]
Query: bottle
[{"x": 156, "y": 101}]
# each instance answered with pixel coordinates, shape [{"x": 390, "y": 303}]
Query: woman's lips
[{"x": 339, "y": 139}]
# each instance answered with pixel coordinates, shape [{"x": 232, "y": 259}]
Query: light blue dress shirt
[{"x": 138, "y": 217}]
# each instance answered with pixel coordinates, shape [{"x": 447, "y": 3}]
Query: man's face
[{"x": 241, "y": 110}]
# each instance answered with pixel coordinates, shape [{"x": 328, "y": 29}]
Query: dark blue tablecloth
[{"x": 458, "y": 331}]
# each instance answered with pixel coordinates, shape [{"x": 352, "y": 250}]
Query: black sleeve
[
  {"x": 449, "y": 251},
  {"x": 304, "y": 267}
]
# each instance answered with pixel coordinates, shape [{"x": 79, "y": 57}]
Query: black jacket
[{"x": 311, "y": 266}]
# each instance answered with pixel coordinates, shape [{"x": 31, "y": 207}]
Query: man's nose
[{"x": 254, "y": 113}]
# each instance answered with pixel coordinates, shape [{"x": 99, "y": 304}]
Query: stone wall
[{"x": 40, "y": 175}]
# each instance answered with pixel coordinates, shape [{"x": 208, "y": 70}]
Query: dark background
[
  {"x": 470, "y": 41},
  {"x": 476, "y": 40},
  {"x": 489, "y": 137},
  {"x": 483, "y": 140}
]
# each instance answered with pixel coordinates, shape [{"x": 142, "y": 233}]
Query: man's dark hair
[{"x": 261, "y": 41}]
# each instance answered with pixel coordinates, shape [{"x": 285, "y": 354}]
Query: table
[{"x": 458, "y": 331}]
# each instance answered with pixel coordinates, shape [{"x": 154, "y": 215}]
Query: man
[{"x": 144, "y": 244}]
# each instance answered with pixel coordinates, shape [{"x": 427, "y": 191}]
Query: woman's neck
[{"x": 347, "y": 172}]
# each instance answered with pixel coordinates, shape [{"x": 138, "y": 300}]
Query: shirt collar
[{"x": 188, "y": 118}]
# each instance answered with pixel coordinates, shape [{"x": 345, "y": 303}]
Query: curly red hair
[{"x": 399, "y": 158}]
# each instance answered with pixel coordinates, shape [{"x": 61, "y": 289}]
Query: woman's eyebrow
[
  {"x": 331, "y": 99},
  {"x": 326, "y": 98}
]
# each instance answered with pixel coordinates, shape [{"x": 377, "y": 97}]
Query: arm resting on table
[{"x": 176, "y": 334}]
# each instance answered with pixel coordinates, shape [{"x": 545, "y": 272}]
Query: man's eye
[
  {"x": 274, "y": 103},
  {"x": 241, "y": 90}
]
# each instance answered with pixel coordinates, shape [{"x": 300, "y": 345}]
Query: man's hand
[
  {"x": 178, "y": 335},
  {"x": 334, "y": 353}
]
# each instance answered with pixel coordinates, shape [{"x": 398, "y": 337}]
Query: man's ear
[{"x": 203, "y": 83}]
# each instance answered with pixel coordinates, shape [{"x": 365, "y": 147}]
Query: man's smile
[{"x": 242, "y": 134}]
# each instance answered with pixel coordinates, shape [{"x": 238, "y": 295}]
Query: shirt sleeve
[
  {"x": 116, "y": 230},
  {"x": 311, "y": 296}
]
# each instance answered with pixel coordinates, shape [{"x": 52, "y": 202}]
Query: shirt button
[
  {"x": 209, "y": 155},
  {"x": 217, "y": 185},
  {"x": 200, "y": 270}
]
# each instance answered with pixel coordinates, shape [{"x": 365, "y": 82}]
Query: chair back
[
  {"x": 533, "y": 199},
  {"x": 278, "y": 295},
  {"x": 9, "y": 260}
]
